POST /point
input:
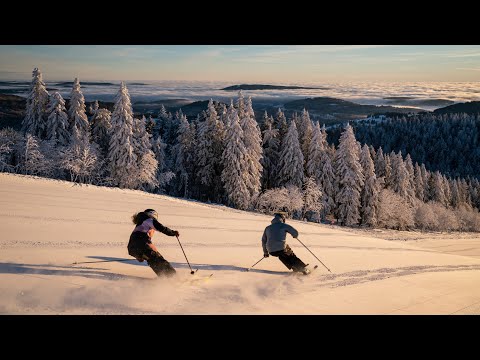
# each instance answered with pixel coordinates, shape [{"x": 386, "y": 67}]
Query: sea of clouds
[{"x": 426, "y": 95}]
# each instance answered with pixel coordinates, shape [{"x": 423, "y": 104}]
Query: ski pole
[
  {"x": 255, "y": 263},
  {"x": 91, "y": 262},
  {"x": 313, "y": 254},
  {"x": 191, "y": 271}
]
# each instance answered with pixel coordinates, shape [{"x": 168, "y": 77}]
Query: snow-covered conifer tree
[
  {"x": 305, "y": 134},
  {"x": 290, "y": 166},
  {"x": 164, "y": 176},
  {"x": 379, "y": 162},
  {"x": 35, "y": 117},
  {"x": 209, "y": 151},
  {"x": 147, "y": 164},
  {"x": 270, "y": 156},
  {"x": 419, "y": 185},
  {"x": 184, "y": 156},
  {"x": 370, "y": 192},
  {"x": 252, "y": 139},
  {"x": 79, "y": 126},
  {"x": 150, "y": 125},
  {"x": 400, "y": 178},
  {"x": 101, "y": 129},
  {"x": 438, "y": 188},
  {"x": 240, "y": 106},
  {"x": 316, "y": 151},
  {"x": 121, "y": 157},
  {"x": 388, "y": 180},
  {"x": 57, "y": 122},
  {"x": 266, "y": 120},
  {"x": 281, "y": 124},
  {"x": 411, "y": 177},
  {"x": 350, "y": 178},
  {"x": 328, "y": 185},
  {"x": 235, "y": 166},
  {"x": 456, "y": 199}
]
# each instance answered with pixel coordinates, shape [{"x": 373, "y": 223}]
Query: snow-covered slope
[{"x": 47, "y": 225}]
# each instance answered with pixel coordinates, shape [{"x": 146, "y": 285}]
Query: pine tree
[
  {"x": 425, "y": 180},
  {"x": 163, "y": 122},
  {"x": 164, "y": 176},
  {"x": 210, "y": 147},
  {"x": 350, "y": 178},
  {"x": 235, "y": 165},
  {"x": 305, "y": 134},
  {"x": 400, "y": 178},
  {"x": 79, "y": 126},
  {"x": 150, "y": 126},
  {"x": 371, "y": 191},
  {"x": 328, "y": 185},
  {"x": 101, "y": 129},
  {"x": 57, "y": 123},
  {"x": 388, "y": 172},
  {"x": 291, "y": 159},
  {"x": 223, "y": 116},
  {"x": 266, "y": 122},
  {"x": 184, "y": 156},
  {"x": 380, "y": 164},
  {"x": 121, "y": 157},
  {"x": 419, "y": 185},
  {"x": 447, "y": 191},
  {"x": 240, "y": 106},
  {"x": 281, "y": 124},
  {"x": 270, "y": 156},
  {"x": 95, "y": 107},
  {"x": 411, "y": 189},
  {"x": 147, "y": 164},
  {"x": 35, "y": 118},
  {"x": 252, "y": 139},
  {"x": 316, "y": 151}
]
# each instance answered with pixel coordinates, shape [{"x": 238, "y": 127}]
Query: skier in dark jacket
[
  {"x": 274, "y": 243},
  {"x": 141, "y": 247}
]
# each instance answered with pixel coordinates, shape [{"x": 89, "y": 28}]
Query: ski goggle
[{"x": 152, "y": 214}]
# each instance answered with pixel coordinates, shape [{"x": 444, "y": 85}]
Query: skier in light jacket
[{"x": 274, "y": 243}]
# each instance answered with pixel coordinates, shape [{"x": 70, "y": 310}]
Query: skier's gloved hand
[
  {"x": 266, "y": 255},
  {"x": 176, "y": 233}
]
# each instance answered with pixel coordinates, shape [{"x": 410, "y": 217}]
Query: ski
[
  {"x": 307, "y": 272},
  {"x": 197, "y": 279}
]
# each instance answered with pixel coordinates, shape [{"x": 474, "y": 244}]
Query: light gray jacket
[{"x": 274, "y": 236}]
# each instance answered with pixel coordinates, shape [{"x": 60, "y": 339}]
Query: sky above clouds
[{"x": 243, "y": 63}]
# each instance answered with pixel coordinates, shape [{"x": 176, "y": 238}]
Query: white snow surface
[{"x": 47, "y": 225}]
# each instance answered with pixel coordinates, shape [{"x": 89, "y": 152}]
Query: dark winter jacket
[
  {"x": 143, "y": 232},
  {"x": 274, "y": 236}
]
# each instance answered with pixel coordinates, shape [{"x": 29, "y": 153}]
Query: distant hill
[
  {"x": 472, "y": 107},
  {"x": 12, "y": 111},
  {"x": 330, "y": 110},
  {"x": 411, "y": 101},
  {"x": 195, "y": 108},
  {"x": 265, "y": 87},
  {"x": 153, "y": 107}
]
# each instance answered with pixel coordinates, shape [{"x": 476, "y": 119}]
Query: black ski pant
[
  {"x": 139, "y": 249},
  {"x": 289, "y": 259}
]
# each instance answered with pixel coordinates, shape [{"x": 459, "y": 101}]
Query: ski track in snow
[{"x": 172, "y": 296}]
